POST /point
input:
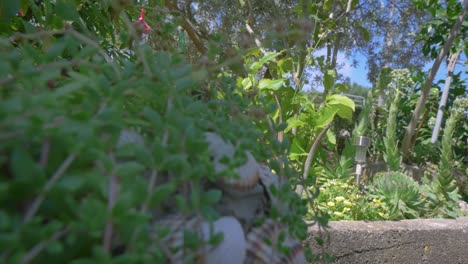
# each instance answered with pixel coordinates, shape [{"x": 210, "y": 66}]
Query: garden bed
[{"x": 406, "y": 241}]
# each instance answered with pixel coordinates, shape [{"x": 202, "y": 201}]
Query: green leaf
[
  {"x": 294, "y": 122},
  {"x": 162, "y": 192},
  {"x": 246, "y": 83},
  {"x": 296, "y": 151},
  {"x": 326, "y": 115},
  {"x": 329, "y": 79},
  {"x": 285, "y": 65},
  {"x": 8, "y": 9},
  {"x": 268, "y": 57},
  {"x": 67, "y": 11},
  {"x": 211, "y": 197},
  {"x": 270, "y": 84},
  {"x": 23, "y": 165},
  {"x": 130, "y": 168},
  {"x": 327, "y": 5},
  {"x": 343, "y": 105},
  {"x": 331, "y": 137}
]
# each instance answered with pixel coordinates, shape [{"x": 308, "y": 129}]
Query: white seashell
[
  {"x": 248, "y": 180},
  {"x": 263, "y": 245},
  {"x": 269, "y": 179},
  {"x": 232, "y": 249}
]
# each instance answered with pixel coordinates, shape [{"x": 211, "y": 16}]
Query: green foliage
[
  {"x": 66, "y": 96},
  {"x": 399, "y": 192},
  {"x": 400, "y": 82},
  {"x": 442, "y": 193}
]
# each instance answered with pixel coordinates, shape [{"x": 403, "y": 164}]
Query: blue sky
[{"x": 359, "y": 74}]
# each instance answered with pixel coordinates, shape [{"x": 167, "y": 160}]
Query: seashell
[
  {"x": 231, "y": 250},
  {"x": 263, "y": 245},
  {"x": 269, "y": 179},
  {"x": 248, "y": 181},
  {"x": 246, "y": 209}
]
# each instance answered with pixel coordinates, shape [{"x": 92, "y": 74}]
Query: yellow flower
[
  {"x": 339, "y": 199},
  {"x": 348, "y": 203},
  {"x": 331, "y": 204},
  {"x": 338, "y": 213}
]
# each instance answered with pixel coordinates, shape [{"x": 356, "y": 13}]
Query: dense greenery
[{"x": 74, "y": 74}]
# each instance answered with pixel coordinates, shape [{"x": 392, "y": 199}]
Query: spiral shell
[{"x": 271, "y": 243}]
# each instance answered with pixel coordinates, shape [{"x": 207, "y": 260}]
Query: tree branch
[
  {"x": 191, "y": 32},
  {"x": 410, "y": 129},
  {"x": 310, "y": 157}
]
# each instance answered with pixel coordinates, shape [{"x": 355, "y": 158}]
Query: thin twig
[
  {"x": 45, "y": 149},
  {"x": 52, "y": 181},
  {"x": 112, "y": 197},
  {"x": 42, "y": 245}
]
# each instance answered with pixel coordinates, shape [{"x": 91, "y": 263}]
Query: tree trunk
[
  {"x": 410, "y": 129},
  {"x": 443, "y": 100}
]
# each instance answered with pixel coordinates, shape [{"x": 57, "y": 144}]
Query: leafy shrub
[
  {"x": 340, "y": 199},
  {"x": 68, "y": 194}
]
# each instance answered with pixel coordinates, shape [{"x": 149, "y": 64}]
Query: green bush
[{"x": 68, "y": 194}]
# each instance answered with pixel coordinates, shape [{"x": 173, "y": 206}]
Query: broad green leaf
[
  {"x": 338, "y": 99},
  {"x": 270, "y": 84},
  {"x": 268, "y": 57},
  {"x": 326, "y": 115},
  {"x": 329, "y": 79}
]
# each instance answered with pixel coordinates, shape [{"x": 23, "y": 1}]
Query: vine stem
[{"x": 52, "y": 181}]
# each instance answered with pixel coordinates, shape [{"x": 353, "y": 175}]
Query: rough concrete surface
[{"x": 409, "y": 241}]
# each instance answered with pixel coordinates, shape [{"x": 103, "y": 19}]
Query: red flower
[{"x": 141, "y": 25}]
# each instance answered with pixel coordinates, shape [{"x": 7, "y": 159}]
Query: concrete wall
[{"x": 410, "y": 241}]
